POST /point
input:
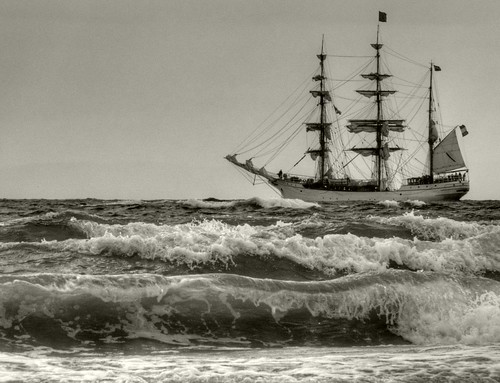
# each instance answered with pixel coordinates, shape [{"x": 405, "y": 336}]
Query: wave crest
[
  {"x": 208, "y": 242},
  {"x": 436, "y": 228},
  {"x": 371, "y": 308},
  {"x": 270, "y": 203}
]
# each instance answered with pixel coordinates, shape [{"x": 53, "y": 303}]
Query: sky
[{"x": 127, "y": 99}]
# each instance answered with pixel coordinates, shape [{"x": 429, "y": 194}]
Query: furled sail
[
  {"x": 371, "y": 93},
  {"x": 263, "y": 172},
  {"x": 319, "y": 78},
  {"x": 370, "y": 126},
  {"x": 314, "y": 154},
  {"x": 447, "y": 154},
  {"x": 320, "y": 126},
  {"x": 376, "y": 76},
  {"x": 250, "y": 167},
  {"x": 324, "y": 93},
  {"x": 365, "y": 152},
  {"x": 317, "y": 125}
]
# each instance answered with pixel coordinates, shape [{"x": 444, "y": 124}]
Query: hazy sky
[{"x": 142, "y": 99}]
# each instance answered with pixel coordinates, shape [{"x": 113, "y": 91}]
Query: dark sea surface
[{"x": 249, "y": 291}]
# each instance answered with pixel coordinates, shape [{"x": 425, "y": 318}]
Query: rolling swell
[
  {"x": 48, "y": 226},
  {"x": 450, "y": 246},
  {"x": 283, "y": 250},
  {"x": 251, "y": 273},
  {"x": 59, "y": 310}
]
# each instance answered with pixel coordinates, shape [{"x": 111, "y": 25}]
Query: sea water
[{"x": 249, "y": 291}]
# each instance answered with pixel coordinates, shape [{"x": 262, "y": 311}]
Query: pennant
[
  {"x": 464, "y": 131},
  {"x": 437, "y": 68},
  {"x": 382, "y": 17}
]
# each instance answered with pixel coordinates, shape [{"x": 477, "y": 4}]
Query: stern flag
[
  {"x": 382, "y": 17},
  {"x": 437, "y": 68}
]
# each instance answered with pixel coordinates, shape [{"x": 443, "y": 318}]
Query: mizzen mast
[{"x": 433, "y": 135}]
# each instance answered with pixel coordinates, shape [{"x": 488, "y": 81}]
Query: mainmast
[{"x": 378, "y": 125}]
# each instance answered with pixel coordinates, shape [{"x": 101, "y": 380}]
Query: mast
[
  {"x": 322, "y": 126},
  {"x": 379, "y": 115},
  {"x": 322, "y": 143},
  {"x": 432, "y": 137},
  {"x": 378, "y": 125}
]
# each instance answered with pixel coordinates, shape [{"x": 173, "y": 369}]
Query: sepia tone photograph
[{"x": 249, "y": 191}]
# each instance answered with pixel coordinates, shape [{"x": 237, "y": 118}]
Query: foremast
[{"x": 323, "y": 126}]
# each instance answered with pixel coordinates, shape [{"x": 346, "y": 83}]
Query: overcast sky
[{"x": 143, "y": 99}]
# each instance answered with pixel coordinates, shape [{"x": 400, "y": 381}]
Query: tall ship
[{"x": 383, "y": 145}]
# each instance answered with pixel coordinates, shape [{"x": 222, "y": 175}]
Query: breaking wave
[
  {"x": 441, "y": 245},
  {"x": 437, "y": 229},
  {"x": 252, "y": 202},
  {"x": 382, "y": 308}
]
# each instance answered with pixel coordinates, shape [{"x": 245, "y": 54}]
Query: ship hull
[{"x": 446, "y": 191}]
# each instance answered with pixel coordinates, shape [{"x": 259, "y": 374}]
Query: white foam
[
  {"x": 415, "y": 203},
  {"x": 423, "y": 308},
  {"x": 215, "y": 241},
  {"x": 196, "y": 203},
  {"x": 388, "y": 203},
  {"x": 436, "y": 228},
  {"x": 467, "y": 321},
  {"x": 288, "y": 364},
  {"x": 269, "y": 203},
  {"x": 284, "y": 202}
]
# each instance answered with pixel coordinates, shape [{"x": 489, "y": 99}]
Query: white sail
[{"x": 447, "y": 154}]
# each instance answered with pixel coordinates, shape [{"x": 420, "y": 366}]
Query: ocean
[{"x": 257, "y": 290}]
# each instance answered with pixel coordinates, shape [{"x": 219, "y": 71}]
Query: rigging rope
[
  {"x": 257, "y": 131},
  {"x": 401, "y": 57},
  {"x": 269, "y": 146}
]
